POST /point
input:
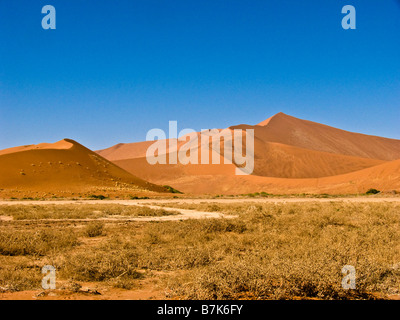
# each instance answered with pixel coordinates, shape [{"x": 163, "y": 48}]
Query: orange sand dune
[
  {"x": 126, "y": 150},
  {"x": 291, "y": 155},
  {"x": 384, "y": 177},
  {"x": 306, "y": 134},
  {"x": 64, "y": 166},
  {"x": 170, "y": 172},
  {"x": 284, "y": 161},
  {"x": 284, "y": 146}
]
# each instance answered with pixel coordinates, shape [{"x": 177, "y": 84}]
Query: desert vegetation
[
  {"x": 78, "y": 211},
  {"x": 269, "y": 251}
]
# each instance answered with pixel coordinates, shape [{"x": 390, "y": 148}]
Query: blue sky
[{"x": 112, "y": 70}]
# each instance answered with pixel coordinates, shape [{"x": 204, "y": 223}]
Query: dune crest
[
  {"x": 62, "y": 167},
  {"x": 285, "y": 129},
  {"x": 62, "y": 144}
]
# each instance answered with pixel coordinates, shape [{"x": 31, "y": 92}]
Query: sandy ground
[{"x": 146, "y": 290}]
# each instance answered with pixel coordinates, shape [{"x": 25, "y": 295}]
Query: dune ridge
[{"x": 285, "y": 129}]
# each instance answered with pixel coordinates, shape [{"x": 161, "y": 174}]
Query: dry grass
[
  {"x": 78, "y": 211},
  {"x": 18, "y": 273},
  {"x": 94, "y": 229},
  {"x": 39, "y": 243},
  {"x": 271, "y": 251}
]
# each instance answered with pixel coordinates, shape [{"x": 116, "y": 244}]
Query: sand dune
[
  {"x": 65, "y": 166},
  {"x": 125, "y": 150},
  {"x": 291, "y": 155},
  {"x": 291, "y": 131},
  {"x": 285, "y": 129},
  {"x": 284, "y": 161}
]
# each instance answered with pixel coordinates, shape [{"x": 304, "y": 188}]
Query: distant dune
[
  {"x": 291, "y": 156},
  {"x": 64, "y": 167},
  {"x": 310, "y": 135}
]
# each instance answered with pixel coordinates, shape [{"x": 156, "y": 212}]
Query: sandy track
[{"x": 184, "y": 213}]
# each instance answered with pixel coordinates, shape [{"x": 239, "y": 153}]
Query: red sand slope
[{"x": 64, "y": 166}]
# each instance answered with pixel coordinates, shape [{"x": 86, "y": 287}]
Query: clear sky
[{"x": 112, "y": 70}]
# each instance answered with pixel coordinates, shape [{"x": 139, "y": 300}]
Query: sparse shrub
[
  {"x": 71, "y": 286},
  {"x": 127, "y": 283},
  {"x": 18, "y": 278},
  {"x": 372, "y": 191},
  {"x": 100, "y": 264},
  {"x": 94, "y": 229},
  {"x": 223, "y": 225},
  {"x": 41, "y": 242},
  {"x": 100, "y": 197},
  {"x": 212, "y": 208},
  {"x": 172, "y": 190}
]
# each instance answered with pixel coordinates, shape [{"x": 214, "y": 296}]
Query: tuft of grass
[
  {"x": 19, "y": 275},
  {"x": 94, "y": 229},
  {"x": 100, "y": 264}
]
